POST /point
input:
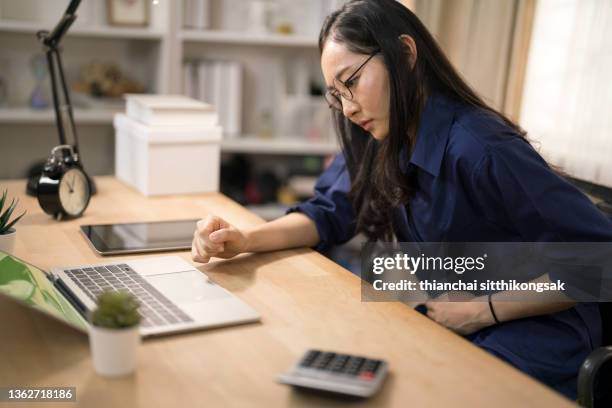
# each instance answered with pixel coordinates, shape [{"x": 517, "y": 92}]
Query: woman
[{"x": 425, "y": 159}]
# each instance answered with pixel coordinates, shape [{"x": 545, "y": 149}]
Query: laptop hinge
[{"x": 70, "y": 297}]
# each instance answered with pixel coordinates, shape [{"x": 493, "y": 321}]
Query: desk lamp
[{"x": 65, "y": 154}]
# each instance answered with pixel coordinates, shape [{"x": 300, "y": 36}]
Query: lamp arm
[
  {"x": 63, "y": 108},
  {"x": 53, "y": 39}
]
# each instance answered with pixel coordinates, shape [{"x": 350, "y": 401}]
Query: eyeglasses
[{"x": 342, "y": 89}]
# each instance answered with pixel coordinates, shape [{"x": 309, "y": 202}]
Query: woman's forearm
[
  {"x": 468, "y": 317},
  {"x": 511, "y": 305},
  {"x": 506, "y": 311},
  {"x": 291, "y": 231}
]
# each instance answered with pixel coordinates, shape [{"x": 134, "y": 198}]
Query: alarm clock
[{"x": 63, "y": 188}]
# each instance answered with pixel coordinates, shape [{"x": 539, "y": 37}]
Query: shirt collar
[{"x": 432, "y": 136}]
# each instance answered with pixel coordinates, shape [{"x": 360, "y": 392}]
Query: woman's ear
[{"x": 411, "y": 49}]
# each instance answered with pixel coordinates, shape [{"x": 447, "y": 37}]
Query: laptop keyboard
[{"x": 155, "y": 308}]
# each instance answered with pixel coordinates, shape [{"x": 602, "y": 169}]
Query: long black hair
[{"x": 377, "y": 183}]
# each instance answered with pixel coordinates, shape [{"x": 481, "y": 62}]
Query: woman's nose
[{"x": 349, "y": 108}]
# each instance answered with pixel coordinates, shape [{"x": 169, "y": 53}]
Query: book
[
  {"x": 196, "y": 14},
  {"x": 219, "y": 83},
  {"x": 189, "y": 80},
  {"x": 234, "y": 99},
  {"x": 218, "y": 93},
  {"x": 204, "y": 82},
  {"x": 163, "y": 110}
]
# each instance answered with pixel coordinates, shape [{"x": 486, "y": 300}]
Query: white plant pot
[
  {"x": 114, "y": 351},
  {"x": 7, "y": 241}
]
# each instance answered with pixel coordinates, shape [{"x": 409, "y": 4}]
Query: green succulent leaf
[
  {"x": 116, "y": 310},
  {"x": 2, "y": 200},
  {"x": 15, "y": 220},
  {"x": 7, "y": 214}
]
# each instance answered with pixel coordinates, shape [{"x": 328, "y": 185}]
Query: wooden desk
[{"x": 305, "y": 301}]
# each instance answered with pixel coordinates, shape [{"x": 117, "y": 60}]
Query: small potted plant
[
  {"x": 114, "y": 334},
  {"x": 7, "y": 232}
]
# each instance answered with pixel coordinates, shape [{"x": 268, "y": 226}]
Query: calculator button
[
  {"x": 323, "y": 360},
  {"x": 371, "y": 365},
  {"x": 338, "y": 365},
  {"x": 366, "y": 375},
  {"x": 354, "y": 365},
  {"x": 310, "y": 357}
]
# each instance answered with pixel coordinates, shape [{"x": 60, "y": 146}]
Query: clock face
[{"x": 74, "y": 192}]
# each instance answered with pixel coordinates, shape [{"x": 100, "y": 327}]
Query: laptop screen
[{"x": 30, "y": 285}]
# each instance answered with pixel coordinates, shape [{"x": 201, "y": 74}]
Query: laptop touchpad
[{"x": 187, "y": 287}]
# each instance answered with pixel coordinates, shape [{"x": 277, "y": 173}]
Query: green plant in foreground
[
  {"x": 5, "y": 215},
  {"x": 116, "y": 310}
]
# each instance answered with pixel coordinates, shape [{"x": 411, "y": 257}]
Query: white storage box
[{"x": 159, "y": 160}]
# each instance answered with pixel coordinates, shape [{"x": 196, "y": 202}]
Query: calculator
[{"x": 339, "y": 373}]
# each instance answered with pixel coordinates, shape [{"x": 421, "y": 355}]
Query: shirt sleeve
[
  {"x": 519, "y": 190},
  {"x": 330, "y": 208}
]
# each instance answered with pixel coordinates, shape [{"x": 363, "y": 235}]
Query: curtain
[
  {"x": 567, "y": 99},
  {"x": 487, "y": 41}
]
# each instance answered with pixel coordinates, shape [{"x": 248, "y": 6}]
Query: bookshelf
[
  {"x": 100, "y": 31},
  {"x": 278, "y": 71},
  {"x": 248, "y": 144},
  {"x": 242, "y": 38},
  {"x": 154, "y": 55},
  {"x": 47, "y": 116}
]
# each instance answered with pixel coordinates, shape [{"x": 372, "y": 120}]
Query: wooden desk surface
[{"x": 305, "y": 301}]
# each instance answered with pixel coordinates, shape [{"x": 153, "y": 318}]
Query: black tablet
[{"x": 112, "y": 239}]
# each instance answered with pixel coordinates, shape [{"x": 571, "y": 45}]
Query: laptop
[{"x": 173, "y": 295}]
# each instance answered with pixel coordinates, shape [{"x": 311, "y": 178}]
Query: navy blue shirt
[{"x": 479, "y": 181}]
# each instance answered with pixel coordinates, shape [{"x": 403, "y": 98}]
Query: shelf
[
  {"x": 33, "y": 116},
  {"x": 246, "y": 144},
  {"x": 242, "y": 38},
  {"x": 288, "y": 146},
  {"x": 28, "y": 27}
]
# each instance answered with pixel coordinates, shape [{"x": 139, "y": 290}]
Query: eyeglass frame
[{"x": 350, "y": 96}]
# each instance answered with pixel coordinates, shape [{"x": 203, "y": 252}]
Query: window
[{"x": 567, "y": 99}]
